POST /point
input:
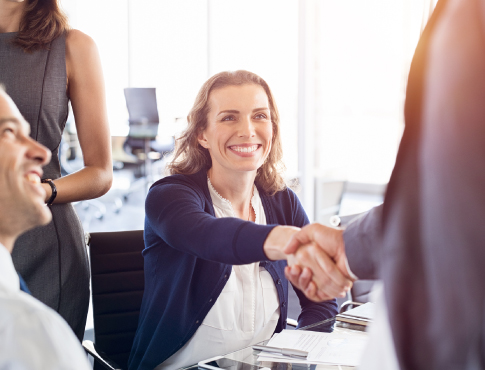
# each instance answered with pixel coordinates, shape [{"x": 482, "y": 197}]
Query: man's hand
[{"x": 318, "y": 266}]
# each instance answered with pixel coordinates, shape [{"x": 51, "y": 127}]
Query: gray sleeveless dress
[{"x": 52, "y": 259}]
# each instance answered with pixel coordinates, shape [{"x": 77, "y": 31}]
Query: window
[{"x": 361, "y": 50}]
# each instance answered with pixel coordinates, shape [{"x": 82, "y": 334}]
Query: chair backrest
[
  {"x": 328, "y": 197},
  {"x": 117, "y": 285},
  {"x": 141, "y": 103}
]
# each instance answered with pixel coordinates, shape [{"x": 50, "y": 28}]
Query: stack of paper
[
  {"x": 361, "y": 315},
  {"x": 341, "y": 347}
]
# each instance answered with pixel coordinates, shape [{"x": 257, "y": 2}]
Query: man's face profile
[{"x": 22, "y": 198}]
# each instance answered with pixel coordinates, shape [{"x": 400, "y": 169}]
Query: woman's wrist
[
  {"x": 50, "y": 191},
  {"x": 277, "y": 240}
]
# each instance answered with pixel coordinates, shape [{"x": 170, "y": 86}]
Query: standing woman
[{"x": 43, "y": 65}]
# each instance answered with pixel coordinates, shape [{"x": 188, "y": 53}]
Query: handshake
[{"x": 317, "y": 264}]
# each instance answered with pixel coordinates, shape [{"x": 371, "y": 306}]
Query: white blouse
[{"x": 247, "y": 310}]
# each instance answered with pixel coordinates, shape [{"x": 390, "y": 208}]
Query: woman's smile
[{"x": 245, "y": 150}]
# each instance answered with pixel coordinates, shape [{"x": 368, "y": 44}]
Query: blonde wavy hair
[{"x": 190, "y": 157}]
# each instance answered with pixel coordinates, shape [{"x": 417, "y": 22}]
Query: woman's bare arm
[{"x": 85, "y": 87}]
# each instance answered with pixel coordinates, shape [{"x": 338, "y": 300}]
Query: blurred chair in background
[
  {"x": 328, "y": 198},
  {"x": 143, "y": 140}
]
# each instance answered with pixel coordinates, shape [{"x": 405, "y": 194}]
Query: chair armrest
[
  {"x": 348, "y": 305},
  {"x": 291, "y": 322},
  {"x": 99, "y": 356}
]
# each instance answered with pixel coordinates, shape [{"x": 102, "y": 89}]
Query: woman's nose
[{"x": 246, "y": 127}]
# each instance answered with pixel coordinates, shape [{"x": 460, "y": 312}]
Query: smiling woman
[
  {"x": 210, "y": 286},
  {"x": 239, "y": 130},
  {"x": 211, "y": 104}
]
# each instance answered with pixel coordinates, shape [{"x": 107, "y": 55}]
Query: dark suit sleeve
[{"x": 362, "y": 244}]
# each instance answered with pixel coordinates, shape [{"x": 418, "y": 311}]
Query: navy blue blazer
[{"x": 189, "y": 255}]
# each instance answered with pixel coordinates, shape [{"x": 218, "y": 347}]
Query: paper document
[{"x": 341, "y": 347}]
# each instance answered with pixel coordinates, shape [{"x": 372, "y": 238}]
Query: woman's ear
[{"x": 202, "y": 140}]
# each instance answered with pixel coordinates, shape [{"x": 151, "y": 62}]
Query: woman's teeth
[
  {"x": 245, "y": 149},
  {"x": 33, "y": 178}
]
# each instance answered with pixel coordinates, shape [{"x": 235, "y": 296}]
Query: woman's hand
[
  {"x": 276, "y": 241},
  {"x": 319, "y": 250},
  {"x": 312, "y": 271},
  {"x": 316, "y": 259}
]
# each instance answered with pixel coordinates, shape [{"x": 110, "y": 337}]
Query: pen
[{"x": 295, "y": 353}]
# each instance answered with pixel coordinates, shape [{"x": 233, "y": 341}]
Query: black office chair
[{"x": 117, "y": 284}]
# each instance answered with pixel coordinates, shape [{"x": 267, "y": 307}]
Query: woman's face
[{"x": 239, "y": 129}]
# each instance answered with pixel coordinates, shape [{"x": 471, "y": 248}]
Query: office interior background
[{"x": 338, "y": 70}]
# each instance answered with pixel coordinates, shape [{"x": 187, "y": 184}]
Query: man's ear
[{"x": 202, "y": 140}]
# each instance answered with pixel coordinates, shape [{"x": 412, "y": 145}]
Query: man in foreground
[
  {"x": 32, "y": 336},
  {"x": 427, "y": 242}
]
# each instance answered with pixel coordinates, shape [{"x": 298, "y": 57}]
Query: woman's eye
[
  {"x": 261, "y": 116},
  {"x": 228, "y": 118}
]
